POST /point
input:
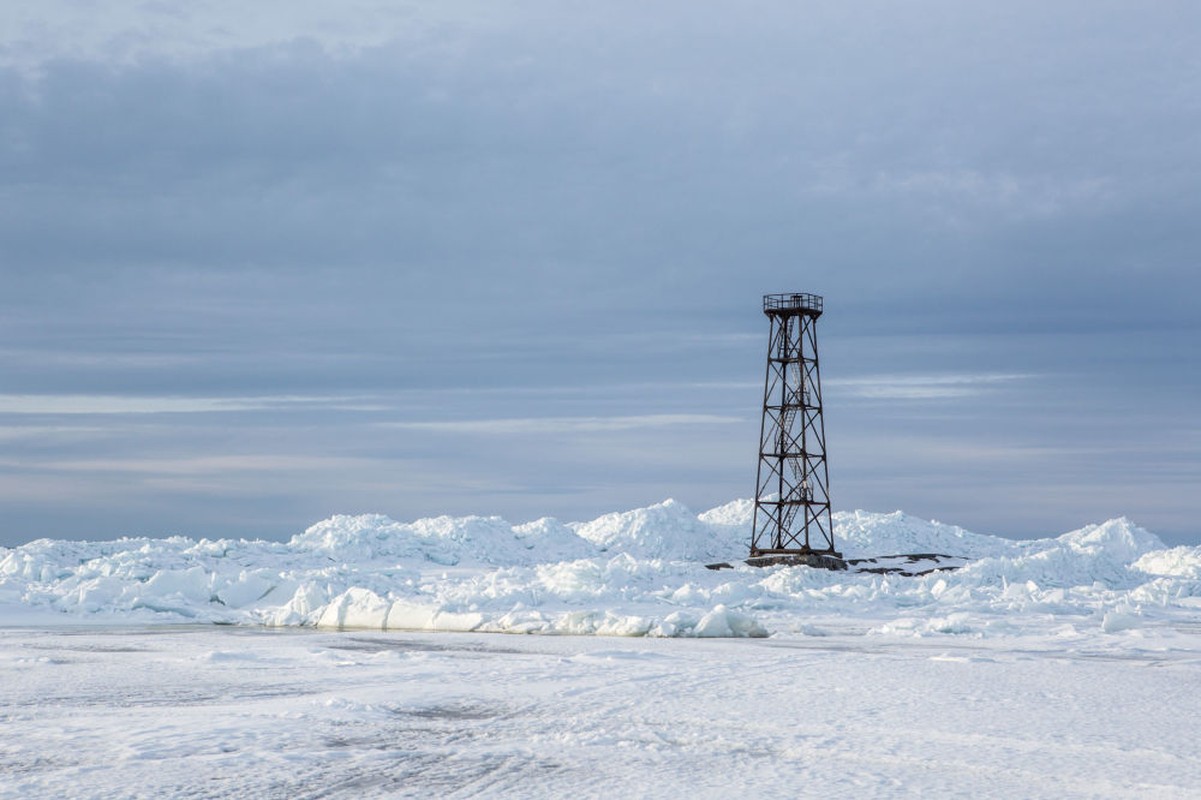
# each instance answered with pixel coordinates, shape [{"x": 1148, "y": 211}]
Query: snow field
[{"x": 231, "y": 712}]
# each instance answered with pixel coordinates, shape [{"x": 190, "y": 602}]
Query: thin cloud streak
[
  {"x": 118, "y": 404},
  {"x": 922, "y": 387},
  {"x": 214, "y": 465},
  {"x": 564, "y": 425}
]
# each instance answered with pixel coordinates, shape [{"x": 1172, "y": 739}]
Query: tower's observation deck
[{"x": 792, "y": 304}]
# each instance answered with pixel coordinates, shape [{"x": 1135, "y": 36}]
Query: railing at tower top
[{"x": 796, "y": 302}]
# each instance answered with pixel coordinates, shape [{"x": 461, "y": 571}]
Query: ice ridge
[{"x": 635, "y": 573}]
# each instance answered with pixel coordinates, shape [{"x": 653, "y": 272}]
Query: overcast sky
[{"x": 262, "y": 263}]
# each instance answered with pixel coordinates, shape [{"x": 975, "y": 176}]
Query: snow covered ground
[{"x": 1066, "y": 666}]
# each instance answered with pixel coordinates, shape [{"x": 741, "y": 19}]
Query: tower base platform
[
  {"x": 909, "y": 565},
  {"x": 831, "y": 561}
]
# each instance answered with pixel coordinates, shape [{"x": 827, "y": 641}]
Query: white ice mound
[
  {"x": 861, "y": 534},
  {"x": 1104, "y": 554},
  {"x": 635, "y": 573},
  {"x": 1184, "y": 562},
  {"x": 736, "y": 514},
  {"x": 1119, "y": 539},
  {"x": 442, "y": 540},
  {"x": 667, "y": 531}
]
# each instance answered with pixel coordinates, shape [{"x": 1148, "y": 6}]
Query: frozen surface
[
  {"x": 228, "y": 712},
  {"x": 1062, "y": 667}
]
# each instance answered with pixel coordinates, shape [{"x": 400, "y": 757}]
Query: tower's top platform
[{"x": 792, "y": 304}]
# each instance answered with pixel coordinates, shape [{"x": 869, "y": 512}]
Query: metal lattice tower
[{"x": 792, "y": 492}]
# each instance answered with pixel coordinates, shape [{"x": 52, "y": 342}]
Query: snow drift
[{"x": 635, "y": 573}]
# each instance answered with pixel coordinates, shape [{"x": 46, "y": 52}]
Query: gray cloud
[{"x": 568, "y": 212}]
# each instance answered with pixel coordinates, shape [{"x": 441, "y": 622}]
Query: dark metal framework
[{"x": 792, "y": 496}]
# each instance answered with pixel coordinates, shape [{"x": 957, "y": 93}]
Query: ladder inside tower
[
  {"x": 799, "y": 490},
  {"x": 798, "y": 400}
]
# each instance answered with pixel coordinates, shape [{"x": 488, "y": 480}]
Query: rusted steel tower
[{"x": 792, "y": 492}]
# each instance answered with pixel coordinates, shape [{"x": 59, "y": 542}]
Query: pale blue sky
[{"x": 264, "y": 266}]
